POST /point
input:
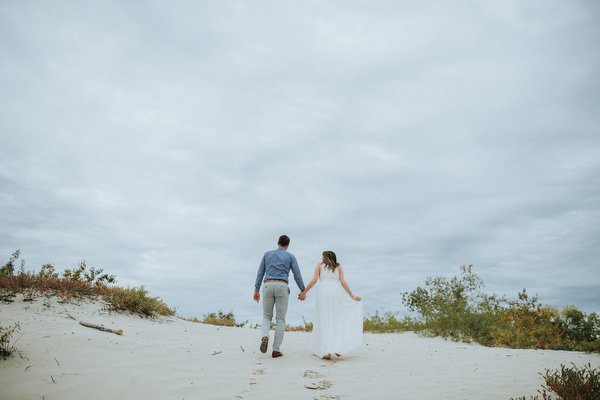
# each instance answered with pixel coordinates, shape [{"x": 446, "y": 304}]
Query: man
[{"x": 275, "y": 269}]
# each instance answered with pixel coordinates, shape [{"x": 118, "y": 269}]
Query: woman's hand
[{"x": 357, "y": 298}]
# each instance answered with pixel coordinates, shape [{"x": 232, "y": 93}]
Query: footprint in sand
[
  {"x": 321, "y": 385},
  {"x": 252, "y": 382},
  {"x": 243, "y": 395},
  {"x": 311, "y": 374}
]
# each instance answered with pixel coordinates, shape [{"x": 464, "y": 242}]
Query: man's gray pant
[{"x": 275, "y": 294}]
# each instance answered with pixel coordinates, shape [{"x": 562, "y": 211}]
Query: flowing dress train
[{"x": 338, "y": 321}]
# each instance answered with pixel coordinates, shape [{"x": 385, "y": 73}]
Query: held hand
[
  {"x": 302, "y": 296},
  {"x": 357, "y": 298},
  {"x": 256, "y": 296}
]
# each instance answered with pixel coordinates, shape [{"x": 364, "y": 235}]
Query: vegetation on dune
[
  {"x": 459, "y": 310},
  {"x": 77, "y": 283},
  {"x": 6, "y": 333},
  {"x": 306, "y": 326},
  {"x": 569, "y": 383},
  {"x": 574, "y": 383},
  {"x": 218, "y": 318},
  {"x": 136, "y": 300},
  {"x": 71, "y": 284},
  {"x": 455, "y": 309},
  {"x": 386, "y": 323}
]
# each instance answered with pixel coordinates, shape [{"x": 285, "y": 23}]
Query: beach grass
[
  {"x": 77, "y": 283},
  {"x": 6, "y": 335}
]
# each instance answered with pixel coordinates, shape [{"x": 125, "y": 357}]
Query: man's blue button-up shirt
[{"x": 276, "y": 264}]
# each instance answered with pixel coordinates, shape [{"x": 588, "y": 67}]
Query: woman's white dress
[{"x": 338, "y": 321}]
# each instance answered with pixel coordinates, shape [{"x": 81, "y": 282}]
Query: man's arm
[
  {"x": 297, "y": 274},
  {"x": 259, "y": 276}
]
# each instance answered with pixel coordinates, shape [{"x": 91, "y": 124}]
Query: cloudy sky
[{"x": 171, "y": 143}]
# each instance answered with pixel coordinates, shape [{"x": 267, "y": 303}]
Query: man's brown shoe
[
  {"x": 264, "y": 344},
  {"x": 277, "y": 354}
]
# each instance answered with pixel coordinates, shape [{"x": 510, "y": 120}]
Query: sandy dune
[{"x": 168, "y": 358}]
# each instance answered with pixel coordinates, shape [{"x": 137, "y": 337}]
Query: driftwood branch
[{"x": 99, "y": 327}]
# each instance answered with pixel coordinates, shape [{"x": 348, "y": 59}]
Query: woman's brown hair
[{"x": 330, "y": 260}]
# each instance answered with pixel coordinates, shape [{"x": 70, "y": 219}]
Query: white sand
[{"x": 168, "y": 358}]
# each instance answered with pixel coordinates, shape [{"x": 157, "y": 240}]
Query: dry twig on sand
[{"x": 99, "y": 327}]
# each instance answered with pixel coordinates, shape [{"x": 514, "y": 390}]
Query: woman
[{"x": 338, "y": 322}]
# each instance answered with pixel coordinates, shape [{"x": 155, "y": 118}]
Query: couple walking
[{"x": 338, "y": 320}]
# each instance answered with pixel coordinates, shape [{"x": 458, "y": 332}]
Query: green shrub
[
  {"x": 574, "y": 383},
  {"x": 570, "y": 384},
  {"x": 304, "y": 327},
  {"x": 222, "y": 319},
  {"x": 578, "y": 326},
  {"x": 9, "y": 268},
  {"x": 525, "y": 323},
  {"x": 454, "y": 308},
  {"x": 386, "y": 323},
  {"x": 47, "y": 271},
  {"x": 94, "y": 276},
  {"x": 5, "y": 339},
  {"x": 136, "y": 300},
  {"x": 459, "y": 310}
]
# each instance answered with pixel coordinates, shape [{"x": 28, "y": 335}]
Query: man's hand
[
  {"x": 256, "y": 297},
  {"x": 302, "y": 296}
]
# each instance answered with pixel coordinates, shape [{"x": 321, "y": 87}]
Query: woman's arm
[
  {"x": 312, "y": 283},
  {"x": 345, "y": 285}
]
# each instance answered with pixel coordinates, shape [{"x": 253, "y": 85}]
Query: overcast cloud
[{"x": 171, "y": 143}]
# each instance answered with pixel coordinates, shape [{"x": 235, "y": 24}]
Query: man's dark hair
[{"x": 284, "y": 240}]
